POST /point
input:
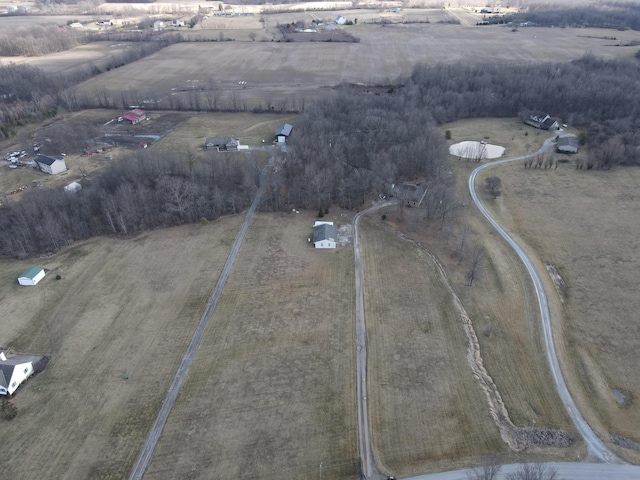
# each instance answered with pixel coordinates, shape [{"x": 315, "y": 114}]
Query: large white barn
[{"x": 325, "y": 235}]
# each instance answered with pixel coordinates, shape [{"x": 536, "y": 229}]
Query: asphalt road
[
  {"x": 566, "y": 471},
  {"x": 368, "y": 466},
  {"x": 178, "y": 380},
  {"x": 596, "y": 447}
]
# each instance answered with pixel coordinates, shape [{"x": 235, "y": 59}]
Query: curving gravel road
[
  {"x": 596, "y": 447},
  {"x": 178, "y": 380}
]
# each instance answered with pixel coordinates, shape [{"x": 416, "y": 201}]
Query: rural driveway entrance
[
  {"x": 178, "y": 380},
  {"x": 596, "y": 447}
]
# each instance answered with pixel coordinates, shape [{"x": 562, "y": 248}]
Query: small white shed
[{"x": 31, "y": 276}]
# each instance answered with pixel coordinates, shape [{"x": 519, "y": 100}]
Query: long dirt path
[{"x": 178, "y": 380}]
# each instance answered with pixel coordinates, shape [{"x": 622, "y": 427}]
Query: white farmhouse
[
  {"x": 31, "y": 276},
  {"x": 325, "y": 235},
  {"x": 51, "y": 165},
  {"x": 14, "y": 370}
]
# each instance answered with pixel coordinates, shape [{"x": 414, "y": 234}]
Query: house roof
[
  {"x": 548, "y": 122},
  {"x": 214, "y": 141},
  {"x": 573, "y": 141},
  {"x": 31, "y": 272},
  {"x": 537, "y": 116},
  {"x": 409, "y": 191},
  {"x": 48, "y": 160},
  {"x": 284, "y": 129},
  {"x": 325, "y": 231},
  {"x": 7, "y": 366},
  {"x": 136, "y": 111}
]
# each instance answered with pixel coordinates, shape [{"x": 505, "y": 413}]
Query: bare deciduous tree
[
  {"x": 488, "y": 469},
  {"x": 492, "y": 185},
  {"x": 534, "y": 471},
  {"x": 475, "y": 264}
]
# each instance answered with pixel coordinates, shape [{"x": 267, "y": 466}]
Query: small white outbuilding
[
  {"x": 73, "y": 187},
  {"x": 31, "y": 276}
]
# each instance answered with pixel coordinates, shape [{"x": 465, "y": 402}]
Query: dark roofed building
[
  {"x": 540, "y": 120},
  {"x": 15, "y": 369},
  {"x": 410, "y": 194},
  {"x": 283, "y": 132},
  {"x": 51, "y": 165},
  {"x": 567, "y": 144},
  {"x": 221, "y": 143}
]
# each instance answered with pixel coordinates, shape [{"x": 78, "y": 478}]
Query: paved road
[
  {"x": 596, "y": 447},
  {"x": 566, "y": 471},
  {"x": 178, "y": 380},
  {"x": 369, "y": 470}
]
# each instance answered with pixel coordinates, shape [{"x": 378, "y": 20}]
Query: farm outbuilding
[
  {"x": 51, "y": 165},
  {"x": 31, "y": 276},
  {"x": 340, "y": 20},
  {"x": 222, "y": 143},
  {"x": 134, "y": 116},
  {"x": 283, "y": 132},
  {"x": 567, "y": 144},
  {"x": 325, "y": 235}
]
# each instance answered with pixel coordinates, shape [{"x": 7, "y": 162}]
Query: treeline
[
  {"x": 29, "y": 93},
  {"x": 36, "y": 40},
  {"x": 598, "y": 96},
  {"x": 618, "y": 15},
  {"x": 133, "y": 195},
  {"x": 350, "y": 145}
]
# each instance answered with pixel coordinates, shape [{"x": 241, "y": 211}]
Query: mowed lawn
[
  {"x": 586, "y": 224},
  {"x": 115, "y": 326},
  {"x": 271, "y": 393}
]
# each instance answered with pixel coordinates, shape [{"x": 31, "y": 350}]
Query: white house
[
  {"x": 31, "y": 276},
  {"x": 325, "y": 235},
  {"x": 283, "y": 132},
  {"x": 340, "y": 20},
  {"x": 73, "y": 187},
  {"x": 14, "y": 370},
  {"x": 51, "y": 165}
]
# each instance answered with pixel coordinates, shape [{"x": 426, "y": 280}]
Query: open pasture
[
  {"x": 115, "y": 326},
  {"x": 585, "y": 224},
  {"x": 276, "y": 70},
  {"x": 271, "y": 393},
  {"x": 428, "y": 411}
]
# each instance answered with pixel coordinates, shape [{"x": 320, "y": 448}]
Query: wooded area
[
  {"x": 137, "y": 194},
  {"x": 347, "y": 147}
]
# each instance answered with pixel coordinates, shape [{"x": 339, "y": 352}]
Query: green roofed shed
[{"x": 31, "y": 276}]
